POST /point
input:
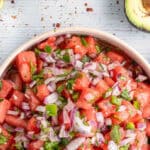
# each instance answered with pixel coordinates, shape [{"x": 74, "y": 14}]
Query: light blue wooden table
[{"x": 25, "y": 18}]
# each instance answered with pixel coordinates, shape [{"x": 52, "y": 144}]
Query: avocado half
[{"x": 138, "y": 13}]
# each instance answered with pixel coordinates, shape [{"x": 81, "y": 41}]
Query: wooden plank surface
[{"x": 24, "y": 19}]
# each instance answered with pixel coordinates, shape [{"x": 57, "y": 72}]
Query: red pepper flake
[
  {"x": 13, "y": 17},
  {"x": 12, "y": 1},
  {"x": 117, "y": 2},
  {"x": 85, "y": 4},
  {"x": 89, "y": 9}
]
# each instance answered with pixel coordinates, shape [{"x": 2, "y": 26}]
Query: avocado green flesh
[{"x": 137, "y": 14}]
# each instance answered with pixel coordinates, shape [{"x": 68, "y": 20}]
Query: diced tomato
[
  {"x": 90, "y": 114},
  {"x": 146, "y": 147},
  {"x": 27, "y": 57},
  {"x": 49, "y": 42},
  {"x": 39, "y": 65},
  {"x": 90, "y": 95},
  {"x": 33, "y": 100},
  {"x": 148, "y": 128},
  {"x": 9, "y": 139},
  {"x": 136, "y": 118},
  {"x": 102, "y": 58},
  {"x": 114, "y": 56},
  {"x": 61, "y": 121},
  {"x": 81, "y": 103},
  {"x": 143, "y": 96},
  {"x": 5, "y": 89},
  {"x": 146, "y": 111},
  {"x": 120, "y": 71},
  {"x": 109, "y": 81},
  {"x": 76, "y": 45},
  {"x": 16, "y": 79},
  {"x": 81, "y": 82},
  {"x": 4, "y": 107},
  {"x": 35, "y": 145},
  {"x": 102, "y": 87},
  {"x": 24, "y": 61},
  {"x": 91, "y": 46},
  {"x": 106, "y": 107},
  {"x": 32, "y": 125},
  {"x": 25, "y": 72},
  {"x": 15, "y": 121},
  {"x": 17, "y": 98},
  {"x": 42, "y": 91}
]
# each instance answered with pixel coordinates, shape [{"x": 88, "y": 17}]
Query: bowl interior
[{"x": 103, "y": 36}]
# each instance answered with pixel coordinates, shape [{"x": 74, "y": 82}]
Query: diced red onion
[
  {"x": 130, "y": 134},
  {"x": 63, "y": 133},
  {"x": 46, "y": 57},
  {"x": 70, "y": 105},
  {"x": 100, "y": 118},
  {"x": 53, "y": 79},
  {"x": 11, "y": 112},
  {"x": 122, "y": 108},
  {"x": 25, "y": 106},
  {"x": 59, "y": 40},
  {"x": 52, "y": 136},
  {"x": 22, "y": 115},
  {"x": 127, "y": 141},
  {"x": 80, "y": 126},
  {"x": 90, "y": 66},
  {"x": 112, "y": 145},
  {"x": 52, "y": 98},
  {"x": 15, "y": 97},
  {"x": 89, "y": 96},
  {"x": 72, "y": 57},
  {"x": 113, "y": 65},
  {"x": 66, "y": 117},
  {"x": 8, "y": 127},
  {"x": 95, "y": 81},
  {"x": 116, "y": 90},
  {"x": 75, "y": 144},
  {"x": 51, "y": 86},
  {"x": 77, "y": 56},
  {"x": 55, "y": 120},
  {"x": 98, "y": 139},
  {"x": 108, "y": 121},
  {"x": 32, "y": 84},
  {"x": 72, "y": 115},
  {"x": 141, "y": 126},
  {"x": 141, "y": 78},
  {"x": 92, "y": 123},
  {"x": 30, "y": 134},
  {"x": 78, "y": 65},
  {"x": 18, "y": 129},
  {"x": 40, "y": 109}
]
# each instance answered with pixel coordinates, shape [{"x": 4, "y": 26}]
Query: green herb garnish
[
  {"x": 64, "y": 141},
  {"x": 136, "y": 105},
  {"x": 1, "y": 84},
  {"x": 51, "y": 146},
  {"x": 37, "y": 51},
  {"x": 60, "y": 88},
  {"x": 1, "y": 99},
  {"x": 115, "y": 134},
  {"x": 48, "y": 49},
  {"x": 19, "y": 146},
  {"x": 33, "y": 68},
  {"x": 75, "y": 96},
  {"x": 85, "y": 59},
  {"x": 98, "y": 49},
  {"x": 3, "y": 139},
  {"x": 130, "y": 126},
  {"x": 66, "y": 57},
  {"x": 116, "y": 100},
  {"x": 126, "y": 147},
  {"x": 51, "y": 109},
  {"x": 70, "y": 83},
  {"x": 125, "y": 95},
  {"x": 83, "y": 41}
]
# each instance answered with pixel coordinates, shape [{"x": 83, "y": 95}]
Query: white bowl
[{"x": 110, "y": 39}]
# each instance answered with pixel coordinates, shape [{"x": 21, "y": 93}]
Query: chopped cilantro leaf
[
  {"x": 48, "y": 49},
  {"x": 51, "y": 146},
  {"x": 3, "y": 139},
  {"x": 60, "y": 88},
  {"x": 98, "y": 49},
  {"x": 66, "y": 57},
  {"x": 85, "y": 59},
  {"x": 83, "y": 41},
  {"x": 1, "y": 84},
  {"x": 125, "y": 95},
  {"x": 37, "y": 51}
]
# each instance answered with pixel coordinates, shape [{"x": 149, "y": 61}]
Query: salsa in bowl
[{"x": 74, "y": 92}]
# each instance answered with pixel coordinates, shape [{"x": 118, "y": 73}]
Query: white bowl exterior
[{"x": 132, "y": 53}]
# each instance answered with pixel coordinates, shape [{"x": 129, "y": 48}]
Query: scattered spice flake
[
  {"x": 13, "y": 17},
  {"x": 35, "y": 35},
  {"x": 42, "y": 18},
  {"x": 51, "y": 17},
  {"x": 1, "y": 19},
  {"x": 121, "y": 20},
  {"x": 85, "y": 4},
  {"x": 89, "y": 9},
  {"x": 58, "y": 25},
  {"x": 12, "y": 1},
  {"x": 117, "y": 2}
]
